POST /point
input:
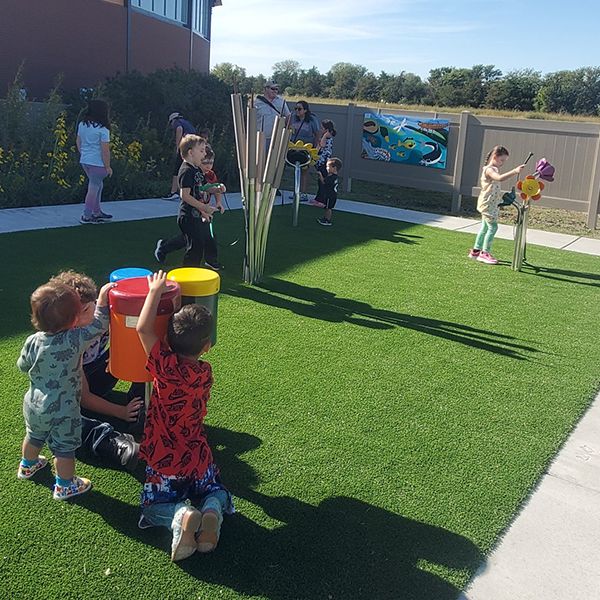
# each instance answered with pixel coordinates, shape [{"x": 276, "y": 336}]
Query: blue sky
[{"x": 401, "y": 35}]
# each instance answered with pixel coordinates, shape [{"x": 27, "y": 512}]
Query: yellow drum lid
[{"x": 194, "y": 281}]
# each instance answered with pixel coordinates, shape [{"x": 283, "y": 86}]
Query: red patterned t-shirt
[{"x": 174, "y": 443}]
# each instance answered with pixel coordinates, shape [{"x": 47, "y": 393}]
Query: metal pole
[
  {"x": 297, "y": 176},
  {"x": 520, "y": 236},
  {"x": 260, "y": 175}
]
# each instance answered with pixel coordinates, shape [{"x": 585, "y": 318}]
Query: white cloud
[{"x": 255, "y": 34}]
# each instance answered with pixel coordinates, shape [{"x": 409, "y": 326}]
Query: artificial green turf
[{"x": 382, "y": 406}]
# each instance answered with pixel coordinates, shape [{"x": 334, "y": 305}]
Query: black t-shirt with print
[
  {"x": 191, "y": 177},
  {"x": 331, "y": 187}
]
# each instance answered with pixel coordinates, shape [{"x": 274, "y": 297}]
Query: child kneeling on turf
[
  {"x": 180, "y": 468},
  {"x": 52, "y": 359}
]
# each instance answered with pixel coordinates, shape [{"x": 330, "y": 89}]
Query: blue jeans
[
  {"x": 163, "y": 497},
  {"x": 162, "y": 514}
]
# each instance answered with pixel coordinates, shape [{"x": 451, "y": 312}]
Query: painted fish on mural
[
  {"x": 433, "y": 156},
  {"x": 403, "y": 139}
]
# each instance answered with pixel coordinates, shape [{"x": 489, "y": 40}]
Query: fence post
[
  {"x": 594, "y": 194},
  {"x": 348, "y": 146},
  {"x": 460, "y": 159}
]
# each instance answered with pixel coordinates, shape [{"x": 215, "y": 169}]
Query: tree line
[{"x": 574, "y": 92}]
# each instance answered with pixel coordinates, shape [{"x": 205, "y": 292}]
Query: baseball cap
[{"x": 174, "y": 116}]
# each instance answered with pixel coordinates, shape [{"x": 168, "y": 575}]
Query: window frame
[{"x": 135, "y": 6}]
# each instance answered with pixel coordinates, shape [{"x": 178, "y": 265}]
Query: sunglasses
[{"x": 275, "y": 89}]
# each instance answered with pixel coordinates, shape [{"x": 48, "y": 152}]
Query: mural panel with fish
[{"x": 396, "y": 138}]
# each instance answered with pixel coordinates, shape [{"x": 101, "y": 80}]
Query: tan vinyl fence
[{"x": 573, "y": 148}]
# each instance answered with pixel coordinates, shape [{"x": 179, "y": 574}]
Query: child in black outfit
[
  {"x": 165, "y": 246},
  {"x": 329, "y": 187},
  {"x": 195, "y": 212}
]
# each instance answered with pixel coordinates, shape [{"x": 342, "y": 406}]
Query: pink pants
[{"x": 93, "y": 197}]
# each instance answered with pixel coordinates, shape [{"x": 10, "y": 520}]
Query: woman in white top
[{"x": 93, "y": 143}]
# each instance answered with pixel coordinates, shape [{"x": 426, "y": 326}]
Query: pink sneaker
[
  {"x": 487, "y": 258},
  {"x": 474, "y": 253}
]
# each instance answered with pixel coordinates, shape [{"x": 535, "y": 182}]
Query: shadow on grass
[
  {"x": 341, "y": 548},
  {"x": 317, "y": 303},
  {"x": 31, "y": 257},
  {"x": 589, "y": 279}
]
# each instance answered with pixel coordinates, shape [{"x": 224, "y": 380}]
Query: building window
[
  {"x": 201, "y": 18},
  {"x": 174, "y": 10},
  {"x": 179, "y": 10}
]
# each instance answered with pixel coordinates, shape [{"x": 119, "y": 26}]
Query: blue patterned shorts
[{"x": 164, "y": 489}]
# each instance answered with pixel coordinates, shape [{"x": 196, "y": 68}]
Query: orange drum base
[{"x": 127, "y": 359}]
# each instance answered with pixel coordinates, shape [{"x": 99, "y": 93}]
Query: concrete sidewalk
[
  {"x": 67, "y": 215},
  {"x": 551, "y": 551}
]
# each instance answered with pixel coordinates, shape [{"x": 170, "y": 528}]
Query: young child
[
  {"x": 488, "y": 202},
  {"x": 97, "y": 381},
  {"x": 52, "y": 359},
  {"x": 210, "y": 176},
  {"x": 177, "y": 242},
  {"x": 180, "y": 467},
  {"x": 330, "y": 188},
  {"x": 195, "y": 213},
  {"x": 100, "y": 439},
  {"x": 93, "y": 144},
  {"x": 325, "y": 152}
]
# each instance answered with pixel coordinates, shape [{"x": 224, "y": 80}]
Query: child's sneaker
[
  {"x": 214, "y": 265},
  {"x": 78, "y": 485},
  {"x": 186, "y": 524},
  {"x": 210, "y": 531},
  {"x": 27, "y": 472},
  {"x": 324, "y": 221},
  {"x": 473, "y": 253},
  {"x": 159, "y": 254},
  {"x": 89, "y": 220},
  {"x": 487, "y": 258}
]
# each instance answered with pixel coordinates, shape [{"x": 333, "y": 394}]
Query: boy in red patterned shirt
[{"x": 180, "y": 468}]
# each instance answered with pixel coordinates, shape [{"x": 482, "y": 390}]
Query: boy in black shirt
[
  {"x": 330, "y": 187},
  {"x": 195, "y": 213}
]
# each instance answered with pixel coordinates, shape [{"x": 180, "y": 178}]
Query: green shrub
[{"x": 39, "y": 163}]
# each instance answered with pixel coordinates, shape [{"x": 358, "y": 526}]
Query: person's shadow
[
  {"x": 341, "y": 548},
  {"x": 316, "y": 303}
]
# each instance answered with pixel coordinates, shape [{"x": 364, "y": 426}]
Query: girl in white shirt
[{"x": 93, "y": 143}]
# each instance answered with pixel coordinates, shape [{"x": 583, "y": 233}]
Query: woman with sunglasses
[{"x": 307, "y": 129}]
